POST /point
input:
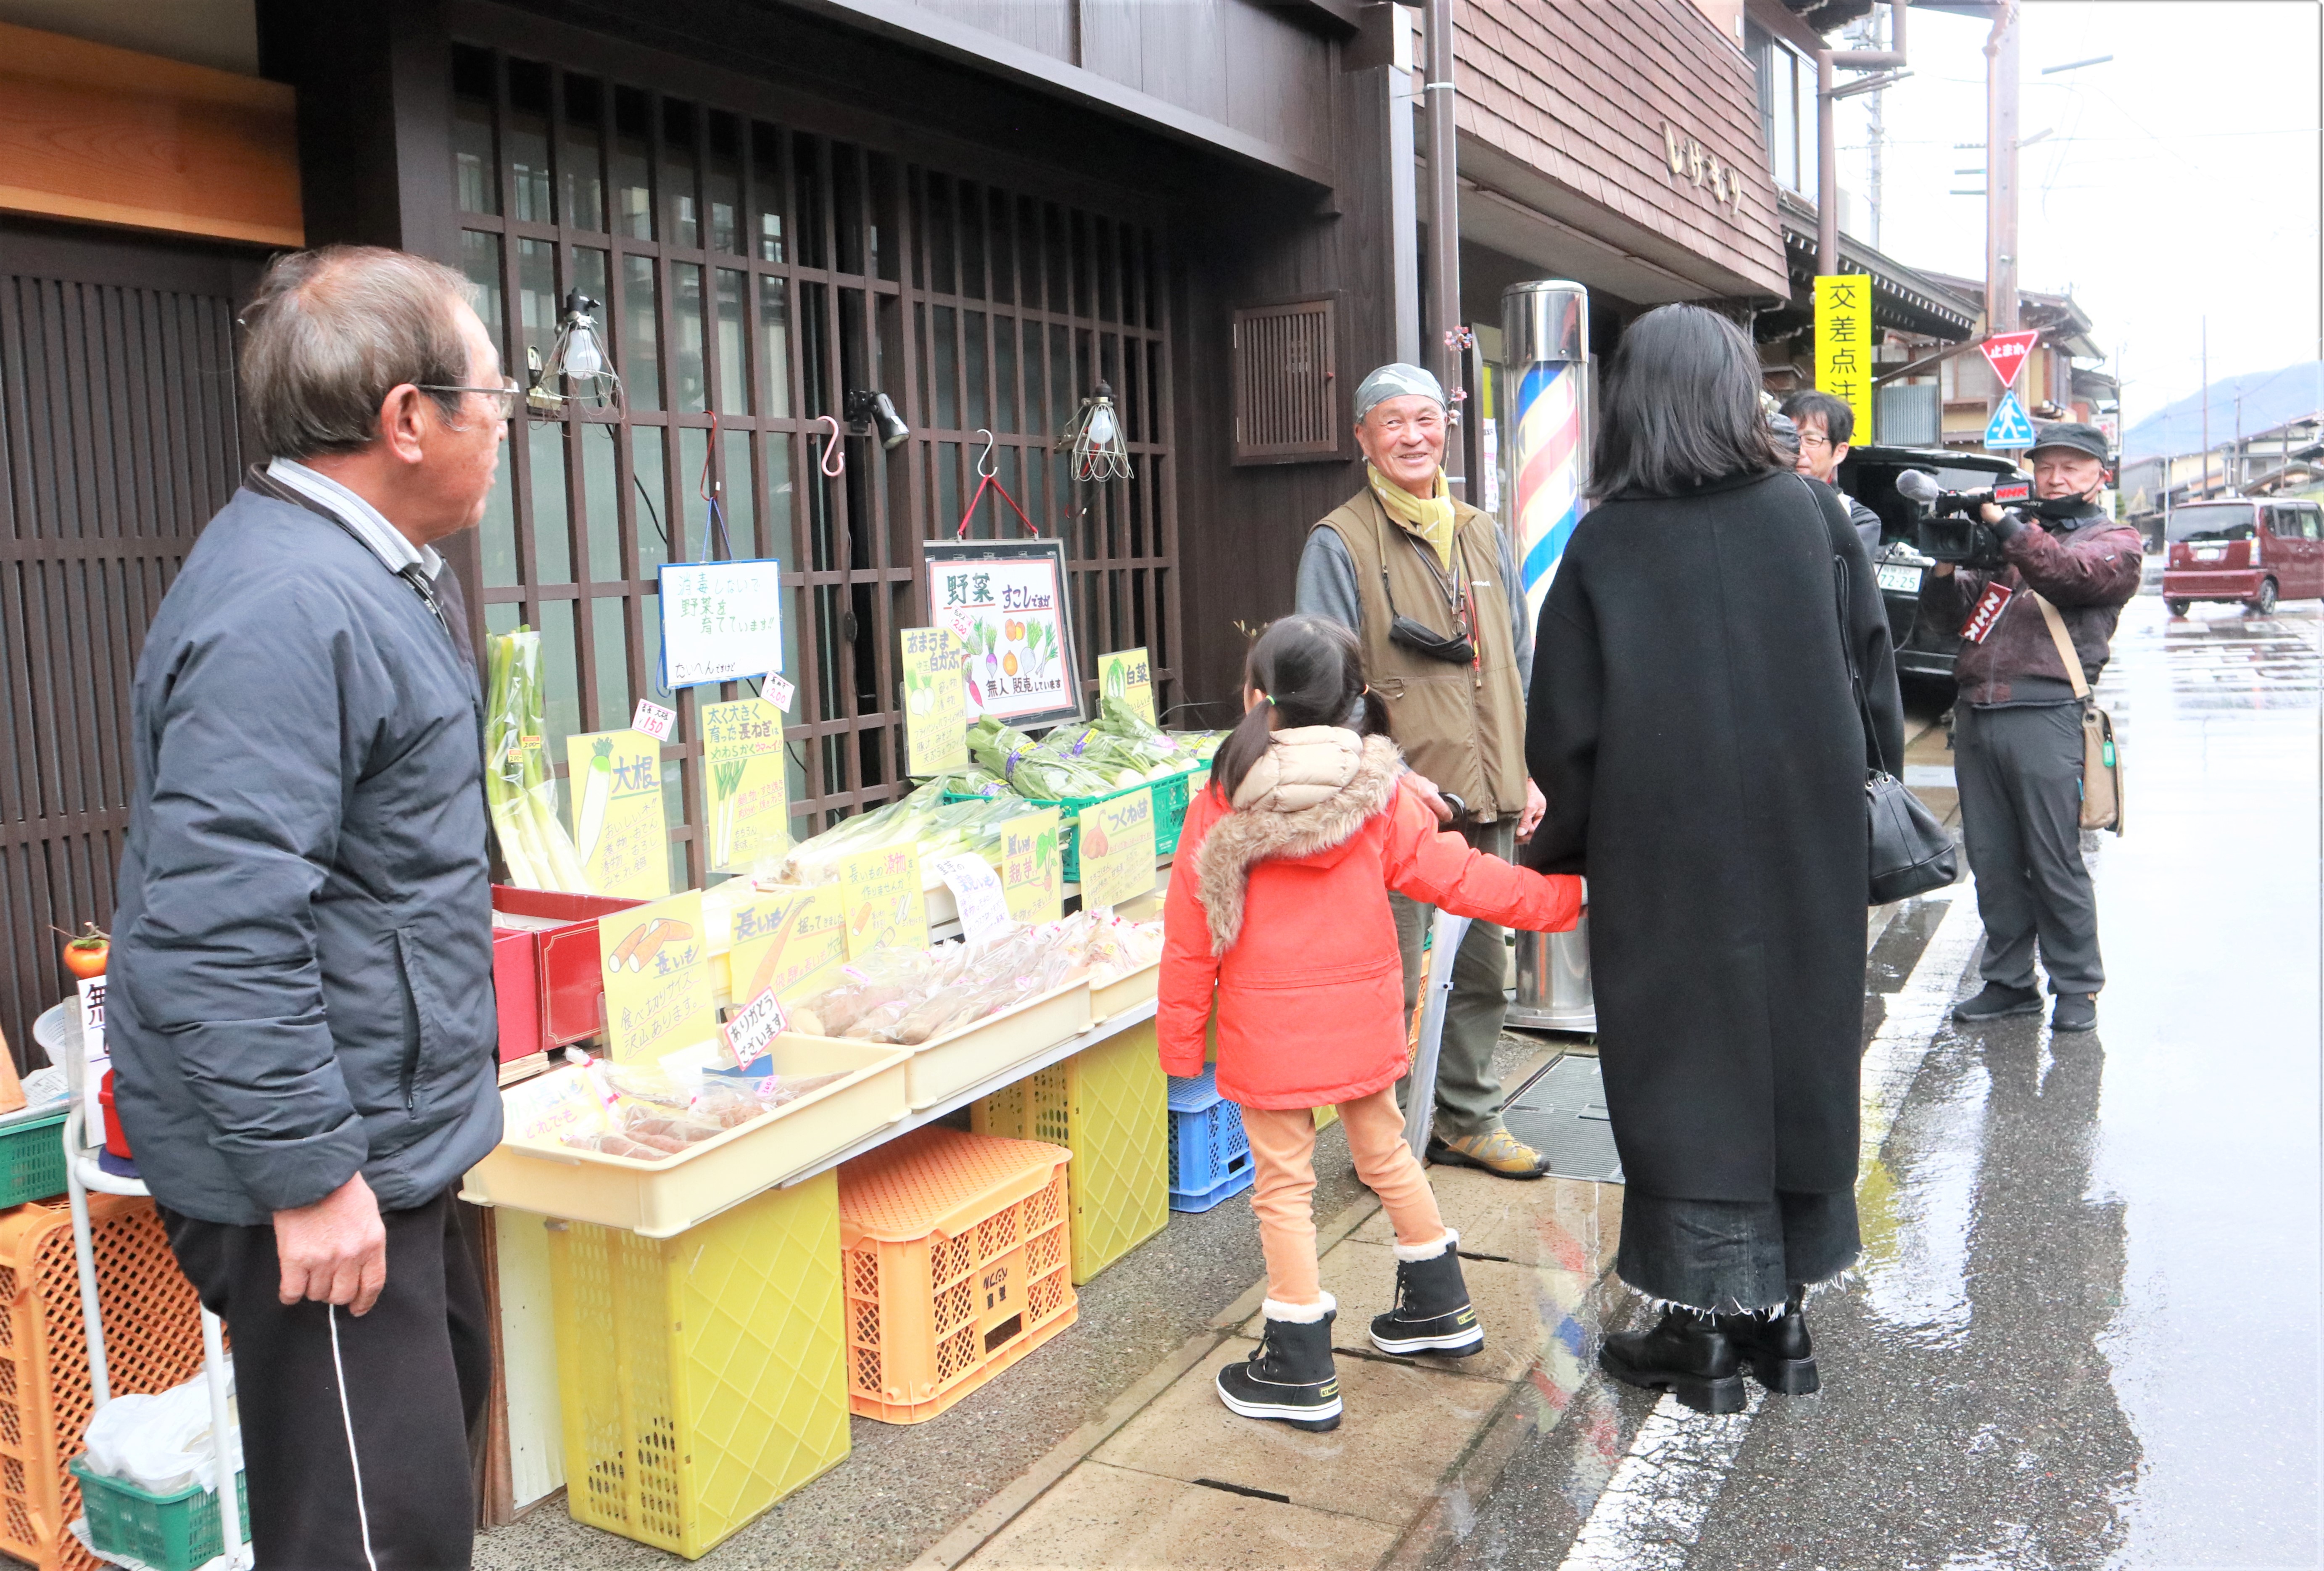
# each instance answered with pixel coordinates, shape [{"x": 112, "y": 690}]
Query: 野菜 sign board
[
  {"x": 1007, "y": 602},
  {"x": 721, "y": 621}
]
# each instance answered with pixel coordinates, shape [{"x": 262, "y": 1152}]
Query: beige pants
[{"x": 1283, "y": 1160}]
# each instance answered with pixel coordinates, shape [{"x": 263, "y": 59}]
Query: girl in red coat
[{"x": 1277, "y": 915}]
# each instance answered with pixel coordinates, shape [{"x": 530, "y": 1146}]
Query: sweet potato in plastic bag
[{"x": 616, "y": 1145}]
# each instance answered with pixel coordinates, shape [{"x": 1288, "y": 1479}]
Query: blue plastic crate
[{"x": 1210, "y": 1155}]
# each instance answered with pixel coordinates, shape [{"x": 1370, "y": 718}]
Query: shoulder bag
[
  {"x": 2101, "y": 761},
  {"x": 1910, "y": 852}
]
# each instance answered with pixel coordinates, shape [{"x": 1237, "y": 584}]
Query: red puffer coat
[{"x": 1278, "y": 911}]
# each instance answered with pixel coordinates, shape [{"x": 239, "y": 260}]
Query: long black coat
[{"x": 1692, "y": 724}]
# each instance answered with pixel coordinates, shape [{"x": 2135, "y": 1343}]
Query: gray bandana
[{"x": 1395, "y": 381}]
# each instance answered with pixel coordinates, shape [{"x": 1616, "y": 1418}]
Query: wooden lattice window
[
  {"x": 752, "y": 275},
  {"x": 1286, "y": 385}
]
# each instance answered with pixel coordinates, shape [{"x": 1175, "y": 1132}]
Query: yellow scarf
[{"x": 1431, "y": 518}]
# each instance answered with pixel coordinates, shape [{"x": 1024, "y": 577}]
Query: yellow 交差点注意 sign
[{"x": 1844, "y": 340}]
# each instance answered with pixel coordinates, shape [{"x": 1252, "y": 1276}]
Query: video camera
[{"x": 1953, "y": 531}]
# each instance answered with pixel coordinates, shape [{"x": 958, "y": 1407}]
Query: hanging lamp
[
  {"x": 1093, "y": 437},
  {"x": 576, "y": 361}
]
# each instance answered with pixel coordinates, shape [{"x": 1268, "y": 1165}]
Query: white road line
[{"x": 1651, "y": 1512}]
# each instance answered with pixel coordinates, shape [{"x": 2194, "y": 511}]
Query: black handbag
[{"x": 1911, "y": 852}]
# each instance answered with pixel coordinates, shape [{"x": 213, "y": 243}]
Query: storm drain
[{"x": 1561, "y": 1115}]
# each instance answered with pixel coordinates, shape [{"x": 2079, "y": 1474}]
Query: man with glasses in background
[
  {"x": 301, "y": 1019},
  {"x": 1825, "y": 424},
  {"x": 1429, "y": 586}
]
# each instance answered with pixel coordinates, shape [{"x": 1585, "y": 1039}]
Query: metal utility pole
[
  {"x": 2207, "y": 405},
  {"x": 1829, "y": 63},
  {"x": 1442, "y": 341},
  {"x": 2001, "y": 173}
]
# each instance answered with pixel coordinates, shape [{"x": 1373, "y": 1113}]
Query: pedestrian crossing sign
[{"x": 2010, "y": 427}]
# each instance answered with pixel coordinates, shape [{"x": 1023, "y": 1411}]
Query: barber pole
[
  {"x": 1545, "y": 352},
  {"x": 1546, "y": 338}
]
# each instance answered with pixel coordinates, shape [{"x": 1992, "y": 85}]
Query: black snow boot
[
  {"x": 1291, "y": 1377},
  {"x": 1687, "y": 1355},
  {"x": 1776, "y": 1346},
  {"x": 1433, "y": 1313},
  {"x": 1995, "y": 1000}
]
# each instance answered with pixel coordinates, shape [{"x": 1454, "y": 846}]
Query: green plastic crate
[
  {"x": 170, "y": 1532},
  {"x": 33, "y": 1159}
]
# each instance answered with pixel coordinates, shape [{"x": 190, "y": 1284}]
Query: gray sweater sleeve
[{"x": 1327, "y": 581}]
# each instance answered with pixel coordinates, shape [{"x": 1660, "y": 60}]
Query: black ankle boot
[
  {"x": 1291, "y": 1377},
  {"x": 1432, "y": 1313},
  {"x": 1776, "y": 1346},
  {"x": 1687, "y": 1355}
]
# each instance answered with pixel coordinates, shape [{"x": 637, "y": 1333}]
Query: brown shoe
[{"x": 1495, "y": 1151}]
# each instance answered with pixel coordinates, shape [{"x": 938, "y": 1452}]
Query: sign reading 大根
[
  {"x": 1006, "y": 602},
  {"x": 618, "y": 826},
  {"x": 721, "y": 621}
]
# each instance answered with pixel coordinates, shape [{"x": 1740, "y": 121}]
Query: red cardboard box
[
  {"x": 570, "y": 966},
  {"x": 516, "y": 987}
]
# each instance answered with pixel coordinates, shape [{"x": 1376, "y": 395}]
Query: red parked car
[{"x": 2257, "y": 553}]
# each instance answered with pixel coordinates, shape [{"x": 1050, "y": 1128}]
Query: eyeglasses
[
  {"x": 1814, "y": 440},
  {"x": 505, "y": 396}
]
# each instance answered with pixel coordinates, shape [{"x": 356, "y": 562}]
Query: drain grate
[{"x": 1562, "y": 1113}]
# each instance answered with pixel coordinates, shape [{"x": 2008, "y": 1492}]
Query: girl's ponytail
[{"x": 1310, "y": 670}]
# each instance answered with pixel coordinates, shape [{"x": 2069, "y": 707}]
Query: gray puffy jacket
[{"x": 302, "y": 972}]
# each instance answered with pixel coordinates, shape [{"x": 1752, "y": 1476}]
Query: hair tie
[{"x": 1268, "y": 696}]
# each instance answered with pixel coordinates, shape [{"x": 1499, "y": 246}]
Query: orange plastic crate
[
  {"x": 955, "y": 1263},
  {"x": 152, "y": 1341}
]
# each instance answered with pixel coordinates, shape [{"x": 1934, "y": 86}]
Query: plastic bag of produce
[{"x": 161, "y": 1442}]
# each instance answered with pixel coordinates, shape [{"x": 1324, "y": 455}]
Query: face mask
[{"x": 2062, "y": 507}]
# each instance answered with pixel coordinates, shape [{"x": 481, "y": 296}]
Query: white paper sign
[
  {"x": 653, "y": 719},
  {"x": 721, "y": 621},
  {"x": 779, "y": 692},
  {"x": 754, "y": 1026},
  {"x": 95, "y": 1057},
  {"x": 983, "y": 904}
]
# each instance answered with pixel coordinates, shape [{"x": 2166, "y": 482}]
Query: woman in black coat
[{"x": 1693, "y": 726}]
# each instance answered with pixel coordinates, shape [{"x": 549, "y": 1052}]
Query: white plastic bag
[{"x": 161, "y": 1443}]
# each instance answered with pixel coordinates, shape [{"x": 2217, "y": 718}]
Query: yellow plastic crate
[
  {"x": 704, "y": 1376},
  {"x": 1110, "y": 1105}
]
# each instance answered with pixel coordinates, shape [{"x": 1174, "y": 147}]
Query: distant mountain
[{"x": 2270, "y": 399}]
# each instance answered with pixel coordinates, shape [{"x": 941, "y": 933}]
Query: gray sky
[{"x": 2180, "y": 179}]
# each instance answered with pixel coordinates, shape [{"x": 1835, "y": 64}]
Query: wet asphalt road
[{"x": 2085, "y": 1330}]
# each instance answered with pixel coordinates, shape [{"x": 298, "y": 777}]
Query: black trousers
[
  {"x": 2020, "y": 772},
  {"x": 1731, "y": 1255},
  {"x": 354, "y": 1431}
]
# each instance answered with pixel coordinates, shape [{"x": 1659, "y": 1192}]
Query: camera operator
[
  {"x": 1825, "y": 425},
  {"x": 2017, "y": 724}
]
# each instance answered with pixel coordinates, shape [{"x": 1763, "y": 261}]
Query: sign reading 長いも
[
  {"x": 1006, "y": 601},
  {"x": 721, "y": 621}
]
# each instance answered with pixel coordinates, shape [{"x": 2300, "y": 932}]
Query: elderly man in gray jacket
[{"x": 301, "y": 1019}]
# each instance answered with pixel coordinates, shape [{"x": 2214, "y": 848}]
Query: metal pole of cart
[
  {"x": 1545, "y": 356},
  {"x": 82, "y": 1175},
  {"x": 1445, "y": 936}
]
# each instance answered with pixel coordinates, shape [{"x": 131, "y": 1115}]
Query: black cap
[{"x": 2073, "y": 434}]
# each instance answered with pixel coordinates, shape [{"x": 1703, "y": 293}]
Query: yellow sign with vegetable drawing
[
  {"x": 1116, "y": 849},
  {"x": 935, "y": 702},
  {"x": 1032, "y": 869},
  {"x": 793, "y": 943},
  {"x": 886, "y": 909},
  {"x": 1125, "y": 677},
  {"x": 618, "y": 824},
  {"x": 657, "y": 979},
  {"x": 745, "y": 794}
]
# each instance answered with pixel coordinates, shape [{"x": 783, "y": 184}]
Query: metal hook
[
  {"x": 985, "y": 470},
  {"x": 834, "y": 462}
]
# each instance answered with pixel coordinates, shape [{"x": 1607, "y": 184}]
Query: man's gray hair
[{"x": 331, "y": 330}]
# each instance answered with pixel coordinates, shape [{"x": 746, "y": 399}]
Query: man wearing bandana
[{"x": 1429, "y": 585}]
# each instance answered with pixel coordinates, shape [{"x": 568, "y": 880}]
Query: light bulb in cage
[
  {"x": 1093, "y": 437},
  {"x": 576, "y": 362}
]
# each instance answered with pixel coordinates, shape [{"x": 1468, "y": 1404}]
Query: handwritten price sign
[{"x": 1116, "y": 849}]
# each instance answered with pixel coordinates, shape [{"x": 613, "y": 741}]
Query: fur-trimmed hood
[{"x": 1315, "y": 787}]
